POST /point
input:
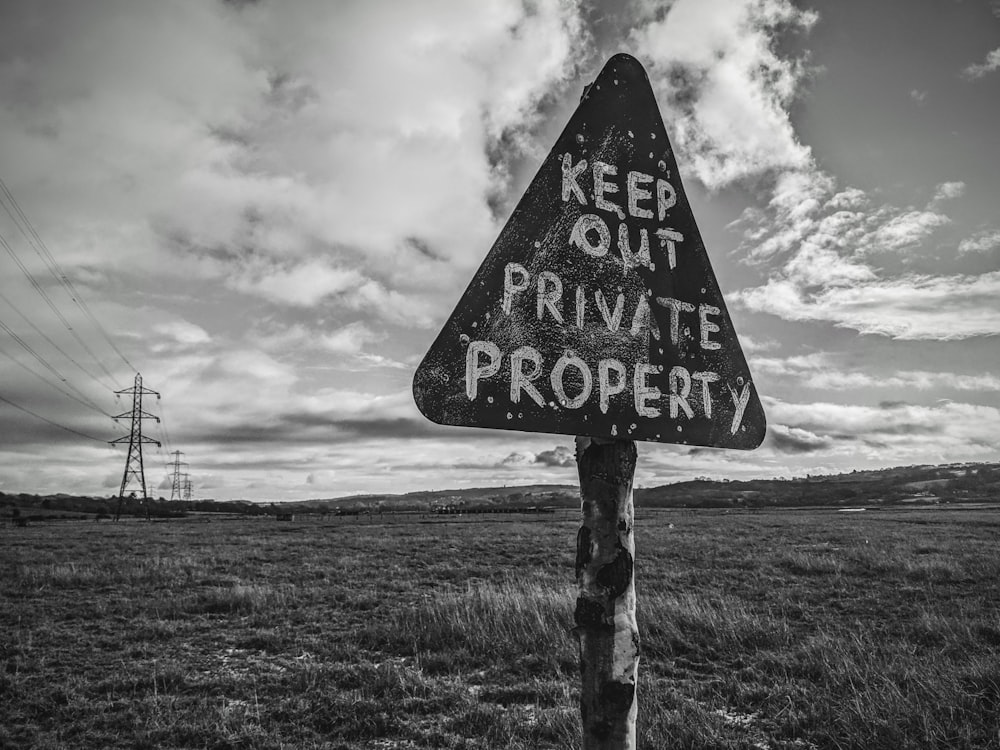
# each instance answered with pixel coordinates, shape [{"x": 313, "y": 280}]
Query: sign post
[
  {"x": 597, "y": 314},
  {"x": 605, "y": 608}
]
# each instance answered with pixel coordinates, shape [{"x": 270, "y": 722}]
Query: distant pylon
[
  {"x": 133, "y": 462},
  {"x": 176, "y": 486},
  {"x": 187, "y": 487}
]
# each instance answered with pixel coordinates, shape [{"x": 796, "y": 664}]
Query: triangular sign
[{"x": 597, "y": 312}]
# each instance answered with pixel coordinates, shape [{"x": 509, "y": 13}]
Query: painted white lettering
[
  {"x": 631, "y": 259},
  {"x": 581, "y": 231},
  {"x": 708, "y": 327},
  {"x": 642, "y": 318},
  {"x": 476, "y": 370},
  {"x": 521, "y": 380},
  {"x": 706, "y": 395},
  {"x": 559, "y": 388},
  {"x": 607, "y": 388},
  {"x": 549, "y": 295},
  {"x": 569, "y": 174},
  {"x": 636, "y": 194},
  {"x": 666, "y": 198},
  {"x": 669, "y": 239},
  {"x": 511, "y": 287},
  {"x": 679, "y": 383},
  {"x": 740, "y": 402},
  {"x": 676, "y": 307},
  {"x": 643, "y": 392},
  {"x": 603, "y": 187},
  {"x": 611, "y": 319},
  {"x": 581, "y": 305}
]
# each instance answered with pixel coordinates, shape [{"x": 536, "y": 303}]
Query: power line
[
  {"x": 48, "y": 300},
  {"x": 160, "y": 453},
  {"x": 85, "y": 401},
  {"x": 43, "y": 252},
  {"x": 54, "y": 424},
  {"x": 50, "y": 341},
  {"x": 27, "y": 347},
  {"x": 166, "y": 433}
]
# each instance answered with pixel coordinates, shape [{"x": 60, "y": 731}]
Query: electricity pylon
[
  {"x": 176, "y": 486},
  {"x": 133, "y": 462},
  {"x": 187, "y": 487}
]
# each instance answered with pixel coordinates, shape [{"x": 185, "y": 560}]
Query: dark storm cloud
[
  {"x": 698, "y": 451},
  {"x": 558, "y": 456},
  {"x": 22, "y": 430},
  {"x": 795, "y": 441},
  {"x": 315, "y": 428}
]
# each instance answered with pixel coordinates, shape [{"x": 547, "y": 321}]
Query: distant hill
[
  {"x": 479, "y": 499},
  {"x": 949, "y": 483},
  {"x": 900, "y": 485}
]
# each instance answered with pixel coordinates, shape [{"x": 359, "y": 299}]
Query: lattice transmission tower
[
  {"x": 134, "y": 472},
  {"x": 177, "y": 483},
  {"x": 187, "y": 487}
]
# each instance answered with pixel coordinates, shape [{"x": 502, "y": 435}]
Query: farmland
[{"x": 761, "y": 629}]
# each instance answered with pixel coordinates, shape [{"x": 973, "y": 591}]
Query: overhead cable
[
  {"x": 49, "y": 421},
  {"x": 82, "y": 399},
  {"x": 48, "y": 300},
  {"x": 42, "y": 361},
  {"x": 38, "y": 244},
  {"x": 52, "y": 343}
]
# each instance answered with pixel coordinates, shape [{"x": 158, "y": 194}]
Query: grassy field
[{"x": 760, "y": 630}]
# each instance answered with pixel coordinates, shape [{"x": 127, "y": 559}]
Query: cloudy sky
[{"x": 271, "y": 209}]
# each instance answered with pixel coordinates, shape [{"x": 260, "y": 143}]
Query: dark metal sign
[{"x": 597, "y": 312}]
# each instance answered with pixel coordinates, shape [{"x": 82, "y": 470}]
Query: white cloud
[
  {"x": 918, "y": 96},
  {"x": 851, "y": 198},
  {"x": 406, "y": 309},
  {"x": 753, "y": 344},
  {"x": 904, "y": 230},
  {"x": 350, "y": 339},
  {"x": 981, "y": 242},
  {"x": 308, "y": 179},
  {"x": 267, "y": 143},
  {"x": 725, "y": 86},
  {"x": 823, "y": 372},
  {"x": 348, "y": 342},
  {"x": 722, "y": 78},
  {"x": 948, "y": 191},
  {"x": 946, "y": 430},
  {"x": 560, "y": 456},
  {"x": 978, "y": 70},
  {"x": 182, "y": 332},
  {"x": 302, "y": 285},
  {"x": 908, "y": 307},
  {"x": 825, "y": 241}
]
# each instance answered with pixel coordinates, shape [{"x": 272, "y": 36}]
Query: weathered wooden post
[
  {"x": 605, "y": 607},
  {"x": 596, "y": 313}
]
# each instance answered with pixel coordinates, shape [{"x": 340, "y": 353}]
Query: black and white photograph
[{"x": 524, "y": 374}]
